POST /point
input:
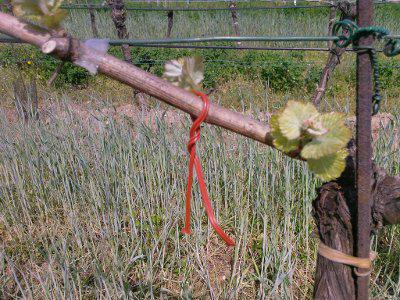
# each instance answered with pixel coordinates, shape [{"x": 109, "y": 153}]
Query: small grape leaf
[
  {"x": 329, "y": 167},
  {"x": 279, "y": 140},
  {"x": 336, "y": 137},
  {"x": 293, "y": 117}
]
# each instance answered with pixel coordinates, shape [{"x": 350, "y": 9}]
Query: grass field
[
  {"x": 96, "y": 211},
  {"x": 92, "y": 201},
  {"x": 286, "y": 22}
]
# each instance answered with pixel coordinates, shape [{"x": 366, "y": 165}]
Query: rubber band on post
[
  {"x": 343, "y": 258},
  {"x": 194, "y": 162}
]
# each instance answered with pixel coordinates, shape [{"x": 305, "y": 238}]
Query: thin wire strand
[
  {"x": 202, "y": 47},
  {"x": 138, "y": 42},
  {"x": 135, "y": 42},
  {"x": 101, "y": 7},
  {"x": 328, "y": 4}
]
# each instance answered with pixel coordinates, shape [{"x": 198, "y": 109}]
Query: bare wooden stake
[
  {"x": 235, "y": 22},
  {"x": 170, "y": 16},
  {"x": 119, "y": 18},
  {"x": 331, "y": 21},
  {"x": 348, "y": 11},
  {"x": 93, "y": 19},
  {"x": 118, "y": 15}
]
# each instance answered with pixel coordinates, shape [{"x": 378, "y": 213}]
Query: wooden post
[
  {"x": 118, "y": 15},
  {"x": 235, "y": 22},
  {"x": 363, "y": 142},
  {"x": 92, "y": 19},
  {"x": 348, "y": 11},
  {"x": 331, "y": 21},
  {"x": 58, "y": 69},
  {"x": 170, "y": 16}
]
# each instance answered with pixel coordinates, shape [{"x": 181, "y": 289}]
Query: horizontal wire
[
  {"x": 101, "y": 7},
  {"x": 163, "y": 41},
  {"x": 240, "y": 48},
  {"x": 105, "y": 7},
  {"x": 135, "y": 42},
  {"x": 204, "y": 47},
  {"x": 171, "y": 41}
]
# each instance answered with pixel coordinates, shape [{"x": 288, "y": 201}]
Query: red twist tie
[{"x": 195, "y": 162}]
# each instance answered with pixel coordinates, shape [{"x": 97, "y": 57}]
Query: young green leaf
[
  {"x": 336, "y": 137},
  {"x": 329, "y": 167},
  {"x": 295, "y": 116},
  {"x": 320, "y": 138},
  {"x": 280, "y": 141}
]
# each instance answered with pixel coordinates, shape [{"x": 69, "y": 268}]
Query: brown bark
[
  {"x": 348, "y": 11},
  {"x": 170, "y": 16},
  {"x": 118, "y": 15},
  {"x": 335, "y": 213},
  {"x": 235, "y": 22},
  {"x": 93, "y": 20}
]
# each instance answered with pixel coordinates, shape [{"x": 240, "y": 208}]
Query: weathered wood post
[
  {"x": 235, "y": 22},
  {"x": 170, "y": 15},
  {"x": 332, "y": 18},
  {"x": 92, "y": 19},
  {"x": 53, "y": 76},
  {"x": 348, "y": 11},
  {"x": 363, "y": 142},
  {"x": 118, "y": 15}
]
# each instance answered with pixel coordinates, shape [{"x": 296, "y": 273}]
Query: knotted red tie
[{"x": 195, "y": 162}]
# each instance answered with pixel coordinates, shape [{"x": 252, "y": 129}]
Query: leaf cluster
[{"x": 319, "y": 138}]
